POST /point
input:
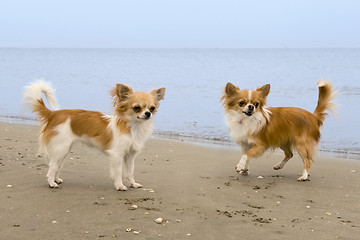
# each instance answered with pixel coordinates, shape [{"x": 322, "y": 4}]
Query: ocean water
[{"x": 194, "y": 81}]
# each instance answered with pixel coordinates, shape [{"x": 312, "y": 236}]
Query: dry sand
[{"x": 193, "y": 187}]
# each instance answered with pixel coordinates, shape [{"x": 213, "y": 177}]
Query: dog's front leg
[
  {"x": 116, "y": 172},
  {"x": 254, "y": 152},
  {"x": 242, "y": 166},
  {"x": 129, "y": 168}
]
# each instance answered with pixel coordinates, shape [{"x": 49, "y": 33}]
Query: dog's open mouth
[
  {"x": 143, "y": 118},
  {"x": 248, "y": 113}
]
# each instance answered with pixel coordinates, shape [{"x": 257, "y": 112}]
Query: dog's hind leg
[
  {"x": 306, "y": 156},
  {"x": 56, "y": 157},
  {"x": 288, "y": 156}
]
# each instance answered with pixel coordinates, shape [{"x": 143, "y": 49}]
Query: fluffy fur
[
  {"x": 257, "y": 128},
  {"x": 120, "y": 136}
]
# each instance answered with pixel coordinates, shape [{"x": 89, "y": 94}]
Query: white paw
[
  {"x": 121, "y": 188},
  {"x": 278, "y": 166},
  {"x": 303, "y": 179},
  {"x": 53, "y": 185},
  {"x": 136, "y": 185},
  {"x": 59, "y": 180},
  {"x": 244, "y": 172}
]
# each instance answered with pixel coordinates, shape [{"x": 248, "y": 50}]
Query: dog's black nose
[
  {"x": 147, "y": 114},
  {"x": 251, "y": 107}
]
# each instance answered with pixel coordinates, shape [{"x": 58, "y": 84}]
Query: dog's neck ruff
[
  {"x": 141, "y": 129},
  {"x": 138, "y": 130},
  {"x": 242, "y": 127}
]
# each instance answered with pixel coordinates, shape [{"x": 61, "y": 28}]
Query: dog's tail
[
  {"x": 326, "y": 95},
  {"x": 32, "y": 98}
]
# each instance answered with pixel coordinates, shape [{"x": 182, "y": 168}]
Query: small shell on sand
[
  {"x": 159, "y": 220},
  {"x": 133, "y": 207}
]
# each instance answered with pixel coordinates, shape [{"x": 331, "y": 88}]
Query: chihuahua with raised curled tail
[
  {"x": 120, "y": 136},
  {"x": 256, "y": 127}
]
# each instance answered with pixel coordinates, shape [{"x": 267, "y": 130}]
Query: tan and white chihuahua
[
  {"x": 257, "y": 128},
  {"x": 120, "y": 136}
]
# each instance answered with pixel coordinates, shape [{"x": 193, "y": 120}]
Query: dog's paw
[
  {"x": 121, "y": 188},
  {"x": 302, "y": 179},
  {"x": 278, "y": 166},
  {"x": 244, "y": 172},
  {"x": 53, "y": 185},
  {"x": 136, "y": 185},
  {"x": 59, "y": 180}
]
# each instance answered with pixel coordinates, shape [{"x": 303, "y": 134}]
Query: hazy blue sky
[{"x": 180, "y": 23}]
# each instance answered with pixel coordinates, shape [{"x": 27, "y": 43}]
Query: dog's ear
[
  {"x": 122, "y": 91},
  {"x": 264, "y": 90},
  {"x": 231, "y": 89},
  {"x": 158, "y": 94}
]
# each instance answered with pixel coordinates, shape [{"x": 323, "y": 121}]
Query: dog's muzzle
[
  {"x": 250, "y": 110},
  {"x": 145, "y": 116}
]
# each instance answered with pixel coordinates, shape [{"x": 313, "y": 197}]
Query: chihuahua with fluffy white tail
[
  {"x": 120, "y": 136},
  {"x": 256, "y": 127}
]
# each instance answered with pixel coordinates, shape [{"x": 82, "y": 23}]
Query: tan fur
[
  {"x": 83, "y": 123},
  {"x": 120, "y": 136},
  {"x": 287, "y": 128}
]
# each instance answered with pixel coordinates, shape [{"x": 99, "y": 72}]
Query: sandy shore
[{"x": 193, "y": 187}]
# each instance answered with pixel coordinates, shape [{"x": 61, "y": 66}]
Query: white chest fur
[
  {"x": 122, "y": 143},
  {"x": 243, "y": 127},
  {"x": 140, "y": 132}
]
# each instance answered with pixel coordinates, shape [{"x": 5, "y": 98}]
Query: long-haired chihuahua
[
  {"x": 120, "y": 136},
  {"x": 257, "y": 128}
]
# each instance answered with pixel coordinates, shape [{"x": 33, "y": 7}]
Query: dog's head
[
  {"x": 136, "y": 105},
  {"x": 246, "y": 102}
]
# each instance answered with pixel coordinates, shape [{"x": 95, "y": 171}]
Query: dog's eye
[
  {"x": 152, "y": 109},
  {"x": 256, "y": 104},
  {"x": 137, "y": 108},
  {"x": 242, "y": 103}
]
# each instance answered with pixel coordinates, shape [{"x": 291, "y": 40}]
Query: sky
[{"x": 180, "y": 23}]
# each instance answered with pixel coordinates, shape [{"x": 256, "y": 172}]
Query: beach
[{"x": 193, "y": 187}]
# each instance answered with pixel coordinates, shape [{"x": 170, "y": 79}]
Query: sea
[{"x": 194, "y": 81}]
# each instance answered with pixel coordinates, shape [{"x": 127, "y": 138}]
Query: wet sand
[{"x": 193, "y": 187}]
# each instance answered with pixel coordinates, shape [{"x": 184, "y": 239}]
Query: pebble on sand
[{"x": 159, "y": 220}]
